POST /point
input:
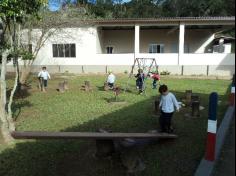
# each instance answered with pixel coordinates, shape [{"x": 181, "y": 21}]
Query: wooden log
[
  {"x": 104, "y": 148},
  {"x": 87, "y": 135},
  {"x": 195, "y": 108},
  {"x": 61, "y": 87},
  {"x": 117, "y": 91},
  {"x": 66, "y": 87},
  {"x": 87, "y": 86},
  {"x": 188, "y": 97},
  {"x": 106, "y": 87},
  {"x": 195, "y": 98}
]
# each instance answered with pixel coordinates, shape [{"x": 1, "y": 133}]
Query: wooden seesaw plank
[{"x": 87, "y": 135}]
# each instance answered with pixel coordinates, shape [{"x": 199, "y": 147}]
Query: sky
[{"x": 55, "y": 5}]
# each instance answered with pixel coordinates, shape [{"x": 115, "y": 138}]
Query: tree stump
[
  {"x": 104, "y": 147},
  {"x": 195, "y": 98},
  {"x": 106, "y": 87},
  {"x": 196, "y": 108},
  {"x": 188, "y": 97},
  {"x": 61, "y": 87},
  {"x": 87, "y": 86},
  {"x": 117, "y": 92},
  {"x": 66, "y": 87}
]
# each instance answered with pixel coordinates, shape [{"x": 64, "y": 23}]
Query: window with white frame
[
  {"x": 156, "y": 48},
  {"x": 109, "y": 49},
  {"x": 64, "y": 50}
]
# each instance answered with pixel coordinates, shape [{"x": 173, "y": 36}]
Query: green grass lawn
[{"x": 76, "y": 110}]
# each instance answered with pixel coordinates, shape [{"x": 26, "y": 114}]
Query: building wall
[
  {"x": 160, "y": 36},
  {"x": 90, "y": 42},
  {"x": 194, "y": 38},
  {"x": 121, "y": 40}
]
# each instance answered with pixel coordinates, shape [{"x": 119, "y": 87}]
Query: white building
[{"x": 179, "y": 45}]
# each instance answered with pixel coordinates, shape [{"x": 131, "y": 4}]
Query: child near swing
[
  {"x": 156, "y": 78},
  {"x": 140, "y": 81}
]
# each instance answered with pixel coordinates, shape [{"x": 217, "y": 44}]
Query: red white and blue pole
[
  {"x": 232, "y": 95},
  {"x": 212, "y": 127}
]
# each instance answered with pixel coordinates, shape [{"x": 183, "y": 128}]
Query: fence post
[{"x": 212, "y": 127}]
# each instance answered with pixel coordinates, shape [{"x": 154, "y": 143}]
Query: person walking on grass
[
  {"x": 168, "y": 104},
  {"x": 43, "y": 78}
]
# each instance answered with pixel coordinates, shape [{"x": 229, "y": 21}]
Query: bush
[{"x": 165, "y": 72}]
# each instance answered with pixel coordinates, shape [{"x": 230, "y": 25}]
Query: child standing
[
  {"x": 140, "y": 81},
  {"x": 44, "y": 76},
  {"x": 167, "y": 105},
  {"x": 156, "y": 77}
]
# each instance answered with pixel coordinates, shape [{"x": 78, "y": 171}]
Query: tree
[
  {"x": 198, "y": 8},
  {"x": 12, "y": 13},
  {"x": 37, "y": 32}
]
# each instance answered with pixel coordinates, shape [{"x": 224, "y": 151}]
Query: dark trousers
[
  {"x": 165, "y": 122},
  {"x": 111, "y": 85},
  {"x": 45, "y": 83},
  {"x": 139, "y": 84},
  {"x": 154, "y": 84}
]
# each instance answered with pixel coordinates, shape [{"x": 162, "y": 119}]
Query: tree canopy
[{"x": 155, "y": 8}]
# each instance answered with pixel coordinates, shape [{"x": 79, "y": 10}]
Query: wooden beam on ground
[{"x": 88, "y": 135}]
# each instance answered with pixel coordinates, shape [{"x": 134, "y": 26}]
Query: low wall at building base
[{"x": 188, "y": 70}]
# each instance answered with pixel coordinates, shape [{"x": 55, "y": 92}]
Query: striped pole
[
  {"x": 232, "y": 95},
  {"x": 212, "y": 127}
]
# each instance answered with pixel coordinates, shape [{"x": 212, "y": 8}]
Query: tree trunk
[
  {"x": 3, "y": 115},
  {"x": 9, "y": 115},
  {"x": 25, "y": 73}
]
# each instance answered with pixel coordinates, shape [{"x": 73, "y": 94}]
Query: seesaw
[{"x": 88, "y": 135}]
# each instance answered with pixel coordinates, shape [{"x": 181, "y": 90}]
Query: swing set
[{"x": 146, "y": 65}]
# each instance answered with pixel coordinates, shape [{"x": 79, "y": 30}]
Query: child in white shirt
[
  {"x": 44, "y": 75},
  {"x": 111, "y": 80},
  {"x": 167, "y": 105}
]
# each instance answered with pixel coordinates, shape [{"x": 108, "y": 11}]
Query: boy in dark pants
[
  {"x": 167, "y": 105},
  {"x": 43, "y": 77},
  {"x": 140, "y": 81}
]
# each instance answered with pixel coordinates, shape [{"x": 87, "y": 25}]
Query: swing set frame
[{"x": 142, "y": 64}]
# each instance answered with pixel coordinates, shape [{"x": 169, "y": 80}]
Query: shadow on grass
[
  {"x": 16, "y": 108},
  {"x": 179, "y": 157}
]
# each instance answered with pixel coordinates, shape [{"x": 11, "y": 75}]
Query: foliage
[
  {"x": 165, "y": 72},
  {"x": 18, "y": 9},
  {"x": 158, "y": 8}
]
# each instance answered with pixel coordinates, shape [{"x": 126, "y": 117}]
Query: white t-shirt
[
  {"x": 168, "y": 103},
  {"x": 111, "y": 78},
  {"x": 44, "y": 74}
]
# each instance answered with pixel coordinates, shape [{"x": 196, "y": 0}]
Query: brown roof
[{"x": 174, "y": 20}]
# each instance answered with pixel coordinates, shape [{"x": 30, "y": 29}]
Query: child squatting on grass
[
  {"x": 111, "y": 79},
  {"x": 44, "y": 76},
  {"x": 167, "y": 105}
]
